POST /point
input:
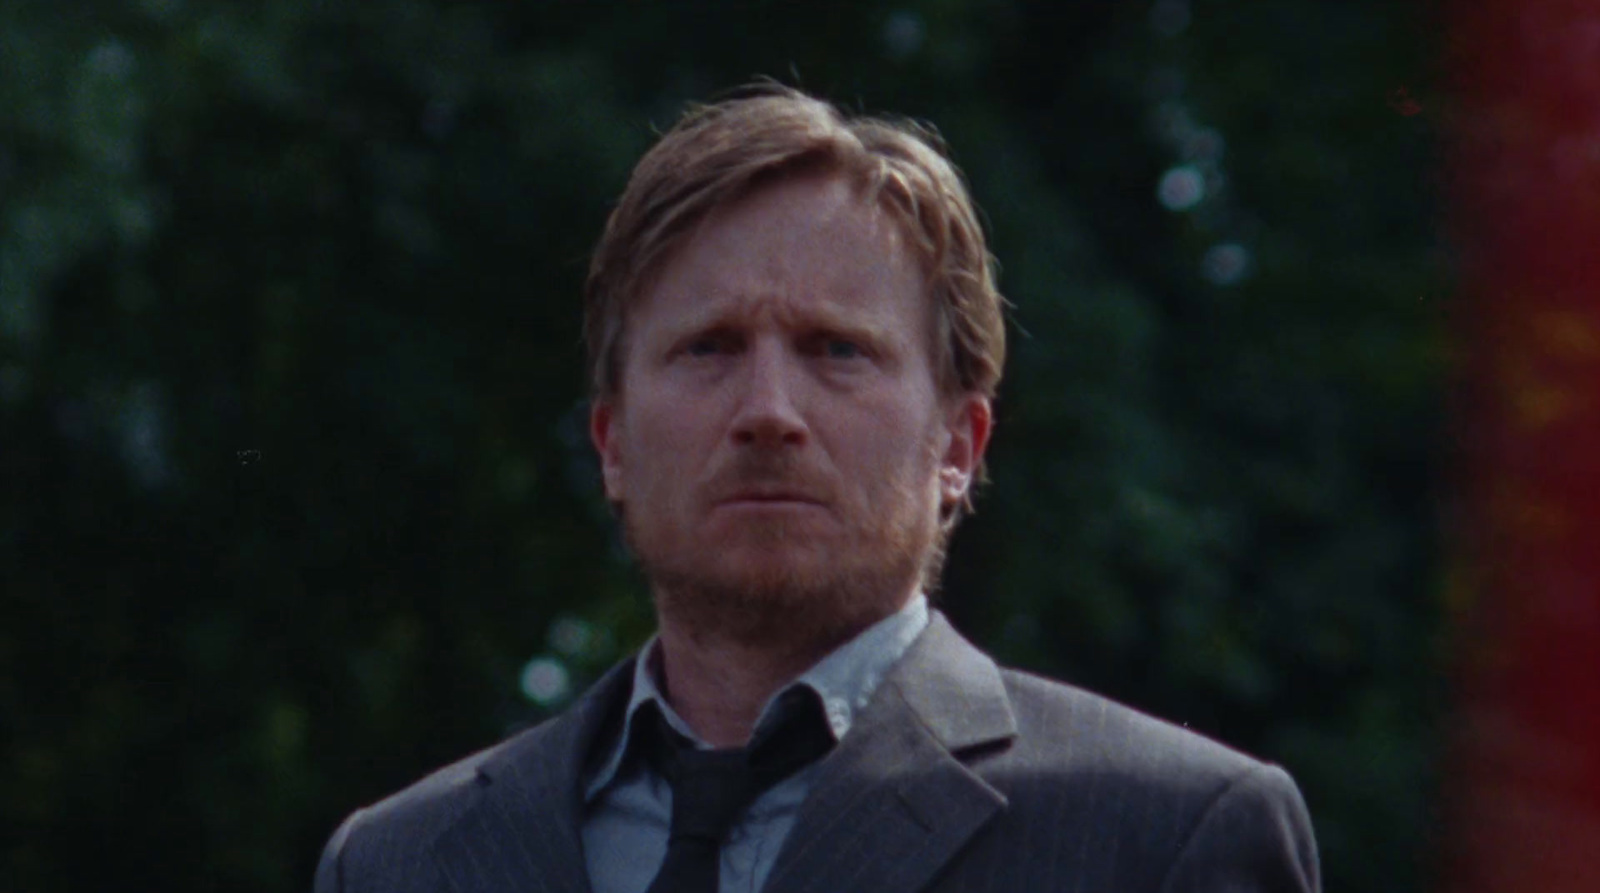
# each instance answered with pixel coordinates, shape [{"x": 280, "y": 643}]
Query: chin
[
  {"x": 787, "y": 583},
  {"x": 780, "y": 576},
  {"x": 781, "y": 598}
]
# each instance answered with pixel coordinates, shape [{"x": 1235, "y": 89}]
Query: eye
[
  {"x": 703, "y": 347},
  {"x": 842, "y": 349},
  {"x": 708, "y": 344},
  {"x": 836, "y": 346}
]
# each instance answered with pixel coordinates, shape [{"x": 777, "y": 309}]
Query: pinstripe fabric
[{"x": 958, "y": 776}]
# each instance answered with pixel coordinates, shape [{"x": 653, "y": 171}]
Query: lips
[{"x": 770, "y": 496}]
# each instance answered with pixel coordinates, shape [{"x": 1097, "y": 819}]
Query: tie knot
[{"x": 712, "y": 788}]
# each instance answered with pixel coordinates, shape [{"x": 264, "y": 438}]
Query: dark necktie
[{"x": 712, "y": 788}]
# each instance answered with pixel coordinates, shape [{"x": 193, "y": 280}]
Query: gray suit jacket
[{"x": 958, "y": 776}]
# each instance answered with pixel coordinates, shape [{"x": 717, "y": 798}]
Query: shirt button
[{"x": 838, "y": 718}]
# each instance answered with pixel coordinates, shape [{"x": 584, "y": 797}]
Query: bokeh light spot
[
  {"x": 571, "y": 636},
  {"x": 1226, "y": 264},
  {"x": 1181, "y": 188},
  {"x": 545, "y": 681},
  {"x": 903, "y": 33}
]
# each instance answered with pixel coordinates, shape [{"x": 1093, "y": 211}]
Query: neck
[{"x": 718, "y": 685}]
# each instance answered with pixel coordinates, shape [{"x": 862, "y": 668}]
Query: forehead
[{"x": 811, "y": 244}]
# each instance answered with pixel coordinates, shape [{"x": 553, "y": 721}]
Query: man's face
[{"x": 778, "y": 443}]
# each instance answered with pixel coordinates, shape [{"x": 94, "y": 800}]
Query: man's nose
[{"x": 767, "y": 414}]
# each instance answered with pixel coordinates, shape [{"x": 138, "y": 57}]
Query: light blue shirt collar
[{"x": 844, "y": 681}]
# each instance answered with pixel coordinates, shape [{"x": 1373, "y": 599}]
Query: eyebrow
[{"x": 820, "y": 317}]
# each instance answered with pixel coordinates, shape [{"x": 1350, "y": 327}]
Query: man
[{"x": 794, "y": 338}]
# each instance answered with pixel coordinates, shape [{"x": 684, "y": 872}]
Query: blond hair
[
  {"x": 718, "y": 153},
  {"x": 721, "y": 152}
]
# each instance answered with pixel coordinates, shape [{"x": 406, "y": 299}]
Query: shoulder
[
  {"x": 408, "y": 821},
  {"x": 1165, "y": 798},
  {"x": 386, "y": 843},
  {"x": 436, "y": 798},
  {"x": 1103, "y": 736}
]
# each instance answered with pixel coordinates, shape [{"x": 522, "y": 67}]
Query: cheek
[
  {"x": 898, "y": 448},
  {"x": 666, "y": 442}
]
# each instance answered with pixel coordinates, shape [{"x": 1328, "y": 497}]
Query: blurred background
[{"x": 296, "y": 501}]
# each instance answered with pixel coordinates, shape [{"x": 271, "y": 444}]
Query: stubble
[{"x": 783, "y": 586}]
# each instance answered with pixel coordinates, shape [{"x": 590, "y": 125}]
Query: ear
[
  {"x": 968, "y": 424},
  {"x": 603, "y": 431}
]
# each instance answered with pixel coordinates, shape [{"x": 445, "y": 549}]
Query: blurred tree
[{"x": 296, "y": 501}]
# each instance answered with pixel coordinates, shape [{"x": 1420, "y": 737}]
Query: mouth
[{"x": 769, "y": 500}]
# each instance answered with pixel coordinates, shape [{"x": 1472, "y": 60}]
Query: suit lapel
[
  {"x": 522, "y": 834},
  {"x": 894, "y": 802}
]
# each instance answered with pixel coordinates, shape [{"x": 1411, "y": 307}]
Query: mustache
[{"x": 769, "y": 473}]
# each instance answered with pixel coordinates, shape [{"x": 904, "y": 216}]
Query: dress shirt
[{"x": 628, "y": 806}]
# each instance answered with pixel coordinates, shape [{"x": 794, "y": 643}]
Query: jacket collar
[
  {"x": 843, "y": 681},
  {"x": 895, "y": 801},
  {"x": 895, "y": 787},
  {"x": 522, "y": 832}
]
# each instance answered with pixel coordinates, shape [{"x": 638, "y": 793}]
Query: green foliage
[{"x": 294, "y": 484}]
